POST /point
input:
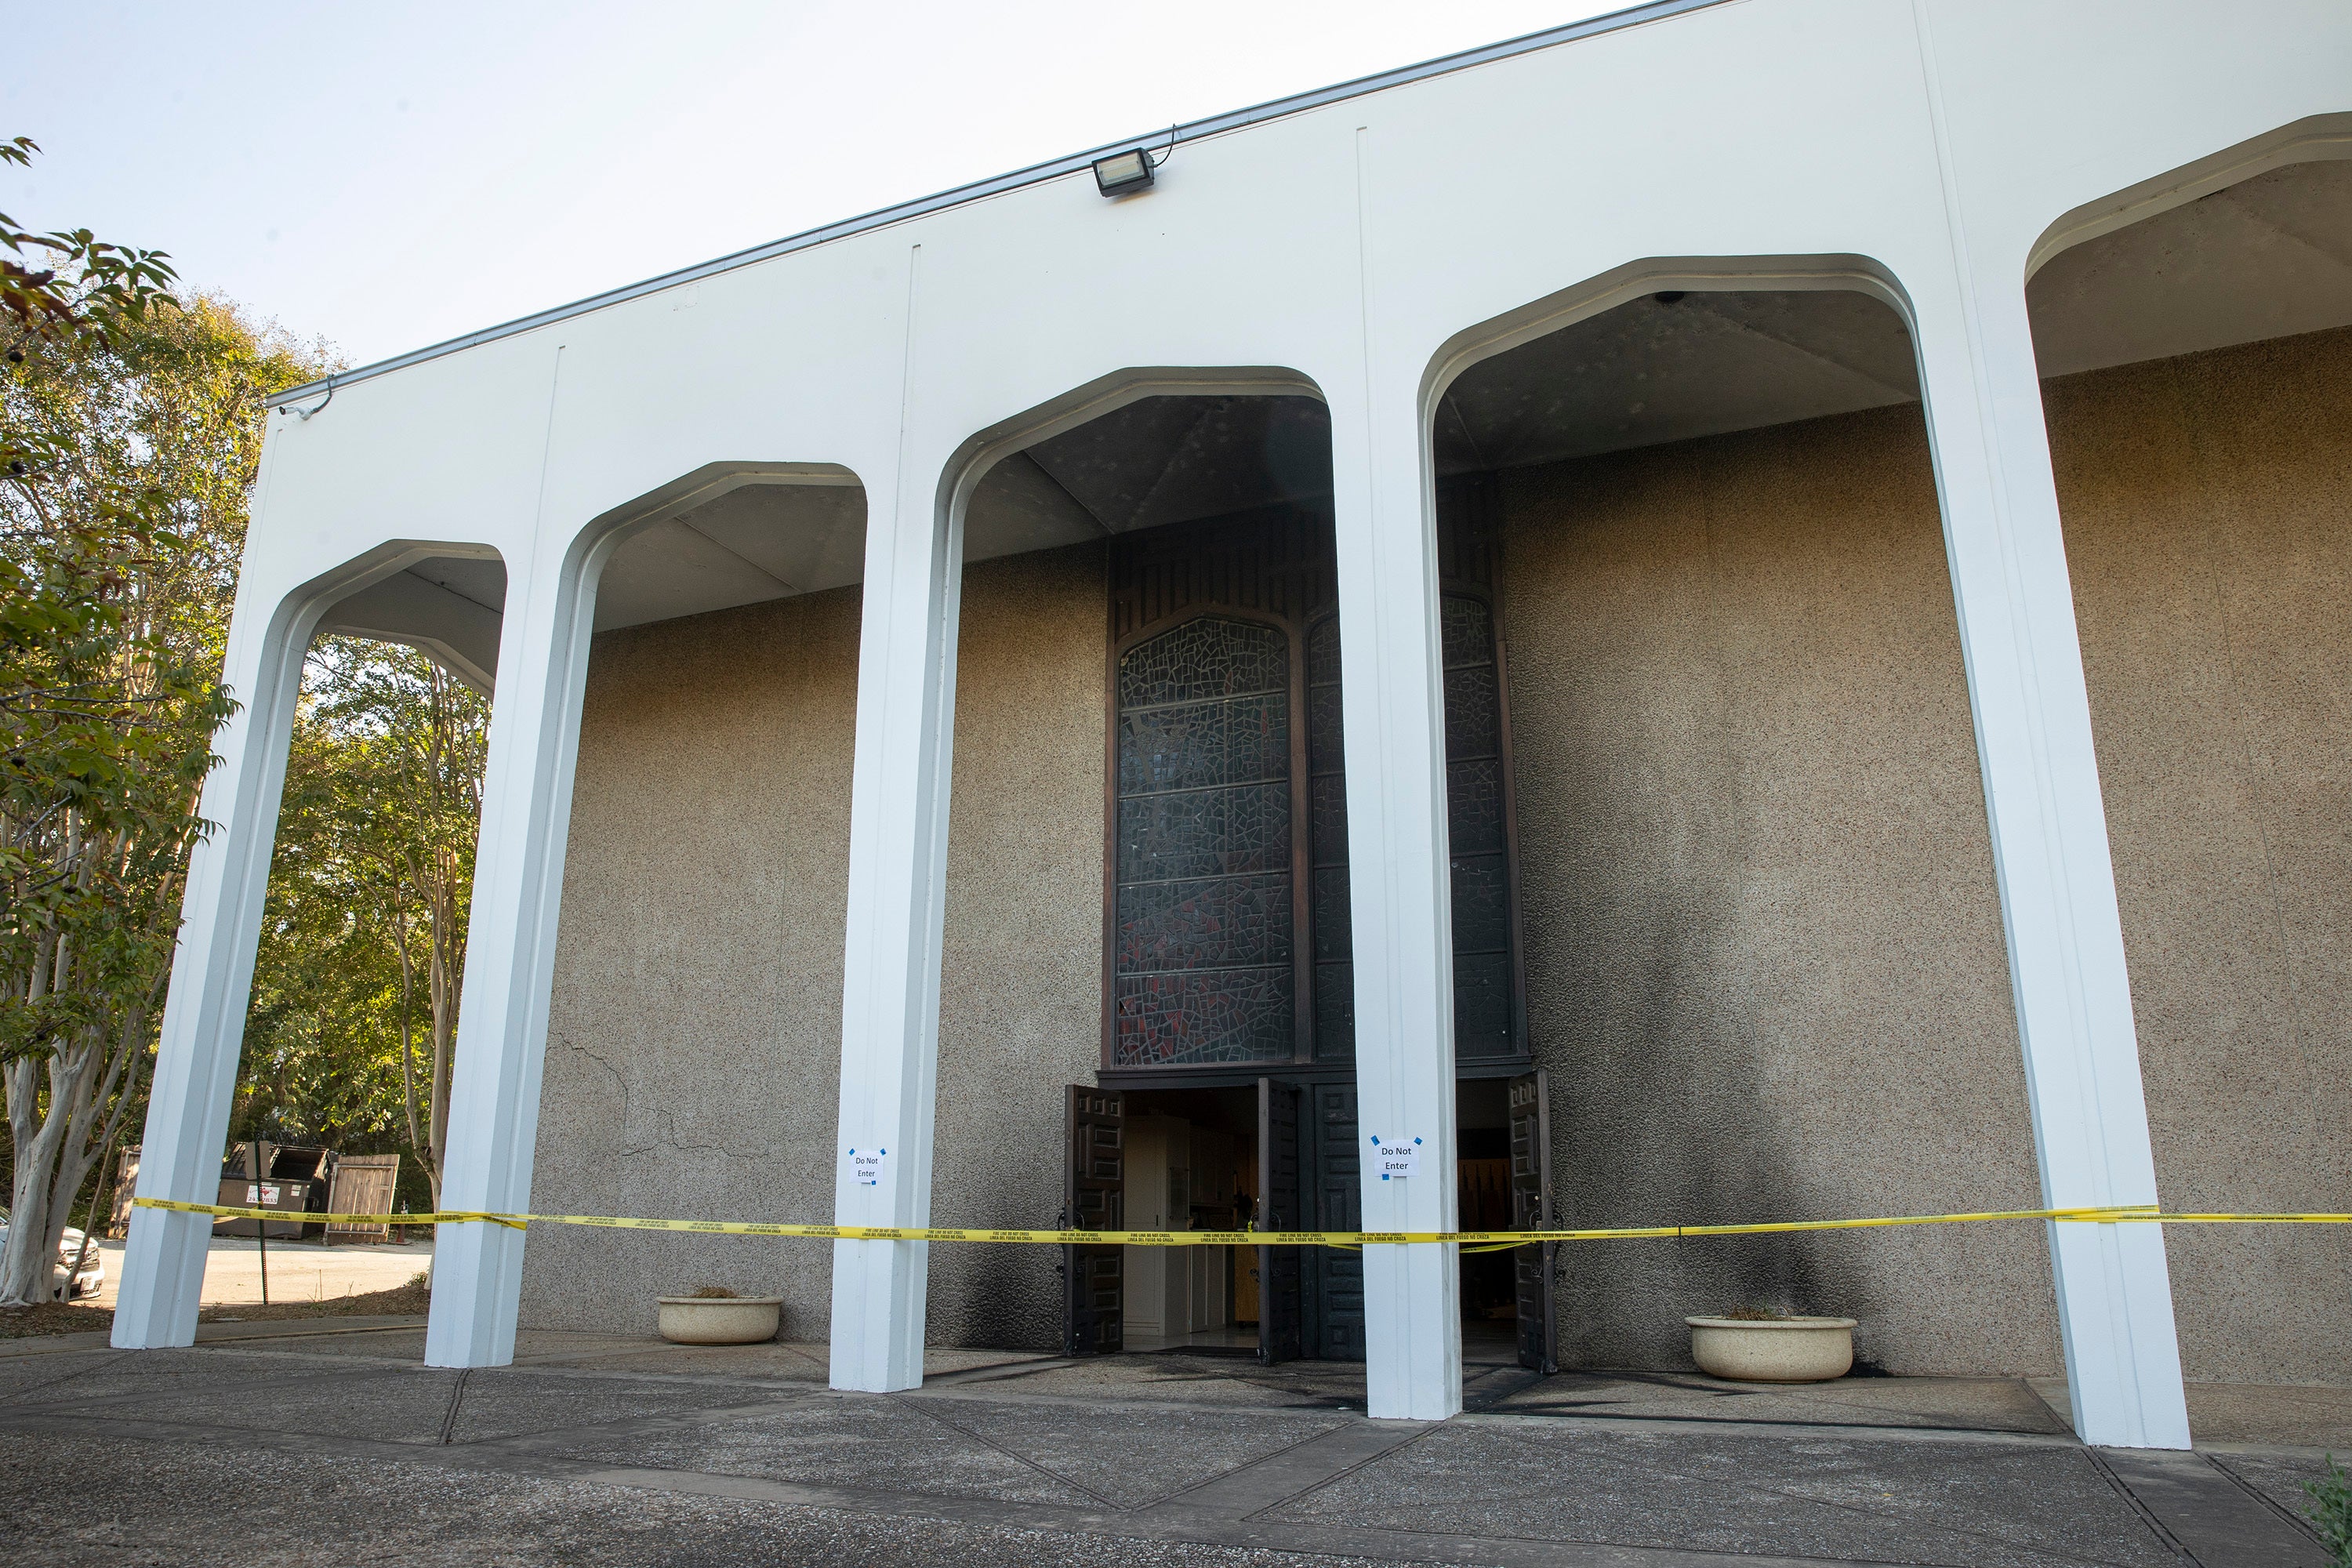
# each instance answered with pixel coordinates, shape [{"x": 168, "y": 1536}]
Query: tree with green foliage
[
  {"x": 129, "y": 429},
  {"x": 132, "y": 415},
  {"x": 2331, "y": 1512},
  {"x": 356, "y": 989}
]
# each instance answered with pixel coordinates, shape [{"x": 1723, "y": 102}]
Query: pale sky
[{"x": 386, "y": 175}]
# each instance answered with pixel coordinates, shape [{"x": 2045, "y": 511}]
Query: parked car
[{"x": 93, "y": 1270}]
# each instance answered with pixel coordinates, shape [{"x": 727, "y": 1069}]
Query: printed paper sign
[
  {"x": 866, "y": 1167},
  {"x": 1396, "y": 1157},
  {"x": 260, "y": 1196}
]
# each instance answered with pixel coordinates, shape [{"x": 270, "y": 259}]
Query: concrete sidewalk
[{"x": 326, "y": 1442}]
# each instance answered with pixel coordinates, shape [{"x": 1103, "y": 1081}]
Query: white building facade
[{"x": 1366, "y": 250}]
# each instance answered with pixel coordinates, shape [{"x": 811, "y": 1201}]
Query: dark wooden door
[
  {"x": 1335, "y": 1313},
  {"x": 1094, "y": 1189},
  {"x": 1280, "y": 1318},
  {"x": 1531, "y": 1209}
]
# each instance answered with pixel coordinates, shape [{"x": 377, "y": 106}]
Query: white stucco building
[{"x": 1650, "y": 424}]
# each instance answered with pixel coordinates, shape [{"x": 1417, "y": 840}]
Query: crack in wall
[{"x": 668, "y": 1137}]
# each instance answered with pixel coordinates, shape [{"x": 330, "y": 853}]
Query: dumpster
[{"x": 286, "y": 1176}]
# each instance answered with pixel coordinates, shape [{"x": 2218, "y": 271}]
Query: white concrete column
[
  {"x": 510, "y": 955},
  {"x": 2049, "y": 827},
  {"x": 1401, "y": 895},
  {"x": 898, "y": 886},
  {"x": 212, "y": 975}
]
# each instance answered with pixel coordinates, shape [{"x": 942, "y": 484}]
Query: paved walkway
[
  {"x": 298, "y": 1271},
  {"x": 326, "y": 1442}
]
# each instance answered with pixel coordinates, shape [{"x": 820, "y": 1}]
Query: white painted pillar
[
  {"x": 212, "y": 975},
  {"x": 1401, "y": 895},
  {"x": 2049, "y": 825},
  {"x": 510, "y": 955},
  {"x": 898, "y": 888}
]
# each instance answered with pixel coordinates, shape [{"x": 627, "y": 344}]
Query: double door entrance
[{"x": 1280, "y": 1155}]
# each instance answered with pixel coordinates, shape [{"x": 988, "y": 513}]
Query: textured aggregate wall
[
  {"x": 1764, "y": 956},
  {"x": 694, "y": 1044},
  {"x": 694, "y": 1048},
  {"x": 1021, "y": 986},
  {"x": 2207, "y": 502}
]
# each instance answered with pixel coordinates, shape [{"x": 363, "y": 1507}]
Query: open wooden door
[
  {"x": 1531, "y": 1209},
  {"x": 362, "y": 1183},
  {"x": 1280, "y": 1324},
  {"x": 1334, "y": 1277},
  {"x": 1094, "y": 1197}
]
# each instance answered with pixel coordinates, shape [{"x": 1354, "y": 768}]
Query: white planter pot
[
  {"x": 720, "y": 1319},
  {"x": 1773, "y": 1350}
]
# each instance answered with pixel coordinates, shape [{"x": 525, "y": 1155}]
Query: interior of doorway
[
  {"x": 1191, "y": 1165},
  {"x": 1191, "y": 1161},
  {"x": 1490, "y": 1280}
]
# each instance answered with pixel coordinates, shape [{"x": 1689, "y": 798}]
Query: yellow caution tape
[
  {"x": 307, "y": 1216},
  {"x": 1477, "y": 1241}
]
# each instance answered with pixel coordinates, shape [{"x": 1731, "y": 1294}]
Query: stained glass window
[
  {"x": 1327, "y": 772},
  {"x": 1208, "y": 949},
  {"x": 1474, "y": 795},
  {"x": 1474, "y": 821},
  {"x": 1205, "y": 947}
]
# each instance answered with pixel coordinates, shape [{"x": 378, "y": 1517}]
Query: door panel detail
[
  {"x": 1280, "y": 1318},
  {"x": 1336, "y": 1316},
  {"x": 1531, "y": 1209},
  {"x": 1094, "y": 1171}
]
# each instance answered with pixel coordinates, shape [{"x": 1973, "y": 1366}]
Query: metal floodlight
[{"x": 1123, "y": 174}]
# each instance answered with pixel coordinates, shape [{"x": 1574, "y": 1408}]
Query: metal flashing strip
[{"x": 1036, "y": 173}]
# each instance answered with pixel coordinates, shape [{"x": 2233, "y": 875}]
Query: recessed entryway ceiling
[
  {"x": 447, "y": 607},
  {"x": 1162, "y": 461},
  {"x": 2267, "y": 257},
  {"x": 1672, "y": 367},
  {"x": 754, "y": 543}
]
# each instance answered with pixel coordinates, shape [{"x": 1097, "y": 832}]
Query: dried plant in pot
[
  {"x": 717, "y": 1315},
  {"x": 1762, "y": 1344}
]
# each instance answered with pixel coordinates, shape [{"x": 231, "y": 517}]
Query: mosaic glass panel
[
  {"x": 1473, "y": 805},
  {"x": 1206, "y": 658},
  {"x": 1483, "y": 990},
  {"x": 1325, "y": 742},
  {"x": 1178, "y": 1017},
  {"x": 1215, "y": 922},
  {"x": 1481, "y": 906},
  {"x": 1328, "y": 794},
  {"x": 1188, "y": 745},
  {"x": 1327, "y": 784},
  {"x": 1323, "y": 653},
  {"x": 1482, "y": 1005},
  {"x": 1465, "y": 631},
  {"x": 1335, "y": 1011},
  {"x": 1333, "y": 941},
  {"x": 1204, "y": 833},
  {"x": 1473, "y": 713},
  {"x": 1203, "y": 944}
]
